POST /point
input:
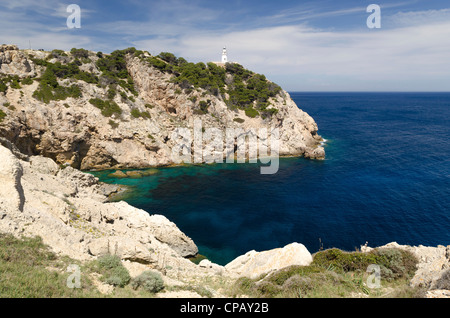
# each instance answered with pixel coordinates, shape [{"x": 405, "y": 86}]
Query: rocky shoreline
[{"x": 70, "y": 211}]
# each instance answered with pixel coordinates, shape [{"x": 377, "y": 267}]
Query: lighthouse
[{"x": 224, "y": 55}]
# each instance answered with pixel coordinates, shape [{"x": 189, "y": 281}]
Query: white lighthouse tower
[{"x": 224, "y": 55}]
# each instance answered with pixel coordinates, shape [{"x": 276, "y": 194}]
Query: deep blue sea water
[{"x": 386, "y": 178}]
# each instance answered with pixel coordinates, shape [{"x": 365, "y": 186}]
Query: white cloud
[
  {"x": 410, "y": 52},
  {"x": 414, "y": 18},
  {"x": 363, "y": 59}
]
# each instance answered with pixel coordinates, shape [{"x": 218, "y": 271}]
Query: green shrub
[
  {"x": 40, "y": 62},
  {"x": 113, "y": 124},
  {"x": 148, "y": 280},
  {"x": 251, "y": 112},
  {"x": 114, "y": 68},
  {"x": 70, "y": 70},
  {"x": 112, "y": 270},
  {"x": 242, "y": 86},
  {"x": 15, "y": 84},
  {"x": 168, "y": 57},
  {"x": 124, "y": 96},
  {"x": 136, "y": 113},
  {"x": 341, "y": 261},
  {"x": 395, "y": 263},
  {"x": 27, "y": 81},
  {"x": 25, "y": 271},
  {"x": 46, "y": 93},
  {"x": 79, "y": 53},
  {"x": 107, "y": 107},
  {"x": 109, "y": 261},
  {"x": 111, "y": 93},
  {"x": 58, "y": 53},
  {"x": 49, "y": 88},
  {"x": 2, "y": 115},
  {"x": 267, "y": 113},
  {"x": 3, "y": 87},
  {"x": 204, "y": 106}
]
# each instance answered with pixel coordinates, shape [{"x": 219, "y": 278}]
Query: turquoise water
[{"x": 386, "y": 178}]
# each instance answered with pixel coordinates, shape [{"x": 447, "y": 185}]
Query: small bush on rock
[
  {"x": 444, "y": 281},
  {"x": 150, "y": 281},
  {"x": 112, "y": 270}
]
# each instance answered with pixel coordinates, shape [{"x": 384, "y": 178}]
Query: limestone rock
[
  {"x": 219, "y": 270},
  {"x": 124, "y": 247},
  {"x": 15, "y": 62},
  {"x": 11, "y": 192},
  {"x": 44, "y": 165},
  {"x": 253, "y": 264},
  {"x": 167, "y": 232}
]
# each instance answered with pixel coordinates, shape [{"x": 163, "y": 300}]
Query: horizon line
[{"x": 422, "y": 92}]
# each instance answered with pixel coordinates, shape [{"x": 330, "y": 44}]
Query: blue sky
[{"x": 320, "y": 45}]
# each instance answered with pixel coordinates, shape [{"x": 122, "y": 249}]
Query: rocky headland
[{"x": 91, "y": 110}]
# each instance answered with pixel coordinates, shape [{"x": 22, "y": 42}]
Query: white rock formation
[
  {"x": 15, "y": 62},
  {"x": 253, "y": 264}
]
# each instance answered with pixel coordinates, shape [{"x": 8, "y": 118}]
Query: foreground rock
[{"x": 253, "y": 264}]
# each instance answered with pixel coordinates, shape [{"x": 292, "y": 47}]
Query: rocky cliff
[{"x": 95, "y": 111}]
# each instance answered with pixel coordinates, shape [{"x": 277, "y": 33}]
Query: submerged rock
[
  {"x": 118, "y": 174},
  {"x": 134, "y": 174}
]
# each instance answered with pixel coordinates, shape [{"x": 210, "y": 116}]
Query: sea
[{"x": 385, "y": 178}]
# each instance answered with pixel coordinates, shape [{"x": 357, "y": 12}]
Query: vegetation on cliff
[
  {"x": 2, "y": 115},
  {"x": 239, "y": 87},
  {"x": 335, "y": 273},
  {"x": 29, "y": 269}
]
